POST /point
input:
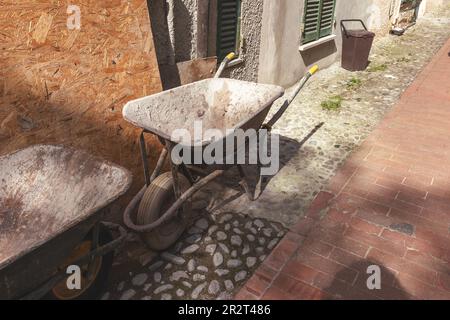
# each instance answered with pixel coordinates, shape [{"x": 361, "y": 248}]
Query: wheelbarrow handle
[
  {"x": 291, "y": 98},
  {"x": 302, "y": 83},
  {"x": 229, "y": 57},
  {"x": 313, "y": 70}
]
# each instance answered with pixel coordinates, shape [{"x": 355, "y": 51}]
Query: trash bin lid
[{"x": 360, "y": 34}]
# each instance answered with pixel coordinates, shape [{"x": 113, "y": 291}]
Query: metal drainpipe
[{"x": 171, "y": 27}]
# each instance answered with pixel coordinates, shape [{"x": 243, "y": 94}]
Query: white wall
[
  {"x": 280, "y": 60},
  {"x": 282, "y": 63}
]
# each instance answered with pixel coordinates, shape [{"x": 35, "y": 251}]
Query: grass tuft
[
  {"x": 378, "y": 68},
  {"x": 333, "y": 103},
  {"x": 354, "y": 83}
]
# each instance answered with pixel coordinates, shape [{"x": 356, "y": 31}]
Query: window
[
  {"x": 228, "y": 27},
  {"x": 318, "y": 19}
]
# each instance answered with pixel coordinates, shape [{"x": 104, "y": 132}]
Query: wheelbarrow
[
  {"x": 52, "y": 199},
  {"x": 164, "y": 202}
]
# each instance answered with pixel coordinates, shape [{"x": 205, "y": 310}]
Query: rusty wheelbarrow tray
[
  {"x": 221, "y": 104},
  {"x": 51, "y": 197}
]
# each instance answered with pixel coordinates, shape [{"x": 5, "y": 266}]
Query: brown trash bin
[{"x": 356, "y": 45}]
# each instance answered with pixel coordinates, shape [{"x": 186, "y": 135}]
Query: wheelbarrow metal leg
[
  {"x": 176, "y": 182},
  {"x": 137, "y": 198},
  {"x": 244, "y": 183},
  {"x": 95, "y": 242},
  {"x": 174, "y": 169},
  {"x": 95, "y": 235},
  {"x": 187, "y": 173},
  {"x": 144, "y": 158},
  {"x": 159, "y": 164},
  {"x": 162, "y": 158}
]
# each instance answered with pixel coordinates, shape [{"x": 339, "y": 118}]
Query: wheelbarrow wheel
[
  {"x": 91, "y": 287},
  {"x": 158, "y": 197}
]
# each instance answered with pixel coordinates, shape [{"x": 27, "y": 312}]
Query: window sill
[
  {"x": 235, "y": 62},
  {"x": 317, "y": 42}
]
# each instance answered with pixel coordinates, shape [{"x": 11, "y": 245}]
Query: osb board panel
[{"x": 68, "y": 86}]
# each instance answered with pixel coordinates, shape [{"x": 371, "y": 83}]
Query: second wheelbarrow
[
  {"x": 52, "y": 199},
  {"x": 225, "y": 105}
]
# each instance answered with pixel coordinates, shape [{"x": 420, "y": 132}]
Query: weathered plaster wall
[
  {"x": 252, "y": 15},
  {"x": 435, "y": 4},
  {"x": 378, "y": 15},
  {"x": 282, "y": 63},
  {"x": 190, "y": 24},
  {"x": 181, "y": 29},
  {"x": 271, "y": 31},
  {"x": 185, "y": 29}
]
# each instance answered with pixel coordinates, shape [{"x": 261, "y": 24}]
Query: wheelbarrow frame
[
  {"x": 32, "y": 275},
  {"x": 196, "y": 185},
  {"x": 50, "y": 257}
]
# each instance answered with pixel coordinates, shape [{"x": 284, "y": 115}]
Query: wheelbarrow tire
[
  {"x": 97, "y": 285},
  {"x": 158, "y": 197}
]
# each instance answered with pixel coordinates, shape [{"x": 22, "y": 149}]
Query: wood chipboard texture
[{"x": 68, "y": 87}]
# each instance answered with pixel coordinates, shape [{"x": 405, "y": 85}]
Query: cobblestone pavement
[
  {"x": 395, "y": 62},
  {"x": 213, "y": 259},
  {"x": 217, "y": 256}
]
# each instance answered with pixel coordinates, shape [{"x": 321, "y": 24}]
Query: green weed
[{"x": 333, "y": 103}]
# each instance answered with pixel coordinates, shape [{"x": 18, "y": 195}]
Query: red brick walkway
[{"x": 389, "y": 205}]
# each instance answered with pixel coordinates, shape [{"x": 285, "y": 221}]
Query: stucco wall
[
  {"x": 435, "y": 4},
  {"x": 378, "y": 15},
  {"x": 271, "y": 31},
  {"x": 191, "y": 21},
  {"x": 280, "y": 61},
  {"x": 185, "y": 29},
  {"x": 252, "y": 12}
]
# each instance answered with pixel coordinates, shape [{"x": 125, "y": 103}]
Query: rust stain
[{"x": 12, "y": 206}]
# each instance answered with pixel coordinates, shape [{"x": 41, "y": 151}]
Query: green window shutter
[
  {"x": 228, "y": 26},
  {"x": 311, "y": 20},
  {"x": 327, "y": 18},
  {"x": 318, "y": 19}
]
